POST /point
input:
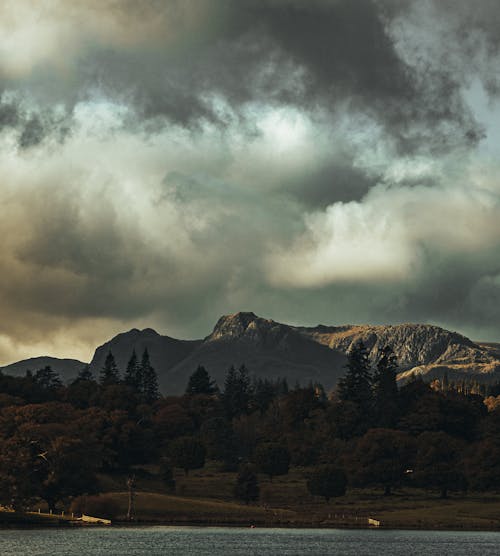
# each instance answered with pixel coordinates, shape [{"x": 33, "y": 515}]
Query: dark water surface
[{"x": 194, "y": 541}]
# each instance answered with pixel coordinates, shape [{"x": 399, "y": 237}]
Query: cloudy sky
[{"x": 164, "y": 162}]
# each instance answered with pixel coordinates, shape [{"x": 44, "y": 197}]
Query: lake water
[{"x": 196, "y": 541}]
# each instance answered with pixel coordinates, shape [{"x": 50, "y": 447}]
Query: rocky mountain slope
[
  {"x": 303, "y": 354},
  {"x": 421, "y": 349},
  {"x": 268, "y": 348}
]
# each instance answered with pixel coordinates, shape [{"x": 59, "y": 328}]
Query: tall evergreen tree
[
  {"x": 385, "y": 389},
  {"x": 47, "y": 378},
  {"x": 84, "y": 375},
  {"x": 200, "y": 382},
  {"x": 264, "y": 392},
  {"x": 132, "y": 373},
  {"x": 149, "y": 379},
  {"x": 355, "y": 385},
  {"x": 109, "y": 373},
  {"x": 237, "y": 391}
]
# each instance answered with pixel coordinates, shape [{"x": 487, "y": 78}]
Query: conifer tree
[
  {"x": 149, "y": 379},
  {"x": 264, "y": 392},
  {"x": 132, "y": 374},
  {"x": 109, "y": 373},
  {"x": 47, "y": 378},
  {"x": 355, "y": 385},
  {"x": 84, "y": 375},
  {"x": 237, "y": 391},
  {"x": 200, "y": 382},
  {"x": 385, "y": 389}
]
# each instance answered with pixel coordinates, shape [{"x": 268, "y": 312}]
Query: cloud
[
  {"x": 170, "y": 59},
  {"x": 410, "y": 253},
  {"x": 164, "y": 162}
]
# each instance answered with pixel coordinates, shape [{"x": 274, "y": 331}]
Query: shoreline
[{"x": 21, "y": 524}]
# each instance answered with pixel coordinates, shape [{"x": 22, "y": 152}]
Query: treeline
[
  {"x": 111, "y": 389},
  {"x": 468, "y": 385},
  {"x": 55, "y": 439}
]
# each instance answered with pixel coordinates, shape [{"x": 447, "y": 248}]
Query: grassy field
[{"x": 206, "y": 496}]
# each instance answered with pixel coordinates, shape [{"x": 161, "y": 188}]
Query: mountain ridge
[
  {"x": 66, "y": 367},
  {"x": 318, "y": 353},
  {"x": 300, "y": 353}
]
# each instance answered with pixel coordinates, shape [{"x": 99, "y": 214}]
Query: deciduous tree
[
  {"x": 187, "y": 453},
  {"x": 327, "y": 481},
  {"x": 272, "y": 459},
  {"x": 247, "y": 485}
]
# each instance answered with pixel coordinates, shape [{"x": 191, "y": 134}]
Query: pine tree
[
  {"x": 132, "y": 374},
  {"x": 245, "y": 385},
  {"x": 47, "y": 378},
  {"x": 355, "y": 386},
  {"x": 283, "y": 388},
  {"x": 149, "y": 379},
  {"x": 200, "y": 382},
  {"x": 84, "y": 375},
  {"x": 109, "y": 373},
  {"x": 264, "y": 392},
  {"x": 237, "y": 391},
  {"x": 385, "y": 389}
]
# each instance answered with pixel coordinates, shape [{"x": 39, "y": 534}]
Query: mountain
[
  {"x": 421, "y": 349},
  {"x": 68, "y": 369},
  {"x": 164, "y": 352},
  {"x": 303, "y": 354},
  {"x": 268, "y": 348}
]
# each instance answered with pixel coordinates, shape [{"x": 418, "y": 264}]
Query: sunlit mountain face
[{"x": 164, "y": 162}]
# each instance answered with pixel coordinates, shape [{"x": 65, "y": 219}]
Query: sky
[{"x": 164, "y": 162}]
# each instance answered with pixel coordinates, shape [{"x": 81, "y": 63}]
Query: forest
[{"x": 58, "y": 441}]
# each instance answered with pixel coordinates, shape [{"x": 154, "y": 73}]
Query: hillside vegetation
[{"x": 256, "y": 450}]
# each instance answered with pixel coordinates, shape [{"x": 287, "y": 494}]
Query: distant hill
[
  {"x": 68, "y": 369},
  {"x": 164, "y": 352},
  {"x": 303, "y": 354}
]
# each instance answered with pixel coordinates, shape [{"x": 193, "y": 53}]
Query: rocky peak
[
  {"x": 423, "y": 344},
  {"x": 248, "y": 326},
  {"x": 413, "y": 344},
  {"x": 234, "y": 326}
]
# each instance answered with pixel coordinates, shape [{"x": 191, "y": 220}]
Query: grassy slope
[{"x": 206, "y": 497}]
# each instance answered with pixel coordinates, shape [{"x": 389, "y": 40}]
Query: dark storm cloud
[
  {"x": 337, "y": 181},
  {"x": 32, "y": 133},
  {"x": 311, "y": 160},
  {"x": 9, "y": 115},
  {"x": 332, "y": 54},
  {"x": 32, "y": 125}
]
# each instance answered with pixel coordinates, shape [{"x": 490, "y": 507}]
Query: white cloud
[{"x": 385, "y": 236}]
